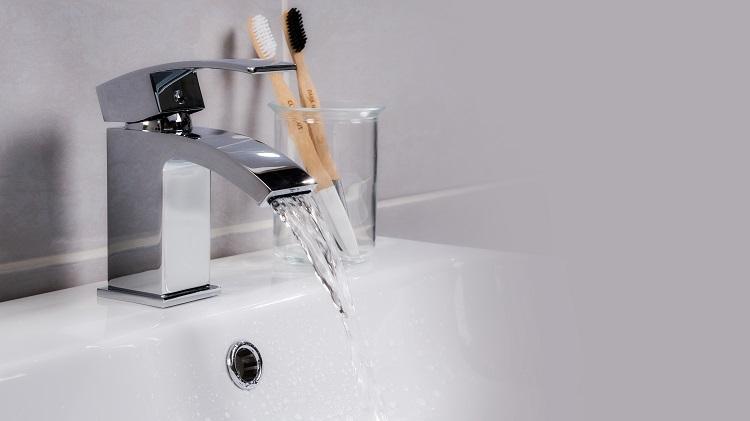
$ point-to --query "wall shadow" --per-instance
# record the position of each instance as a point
(228, 85)
(32, 191)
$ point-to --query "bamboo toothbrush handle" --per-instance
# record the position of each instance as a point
(317, 132)
(307, 92)
(309, 97)
(300, 135)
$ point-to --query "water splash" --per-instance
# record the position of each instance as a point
(302, 216)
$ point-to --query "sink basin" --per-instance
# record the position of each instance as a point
(451, 331)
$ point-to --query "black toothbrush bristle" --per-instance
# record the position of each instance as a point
(295, 30)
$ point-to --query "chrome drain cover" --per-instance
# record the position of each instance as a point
(244, 364)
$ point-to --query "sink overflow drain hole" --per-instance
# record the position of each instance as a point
(244, 364)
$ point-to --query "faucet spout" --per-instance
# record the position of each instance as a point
(254, 167)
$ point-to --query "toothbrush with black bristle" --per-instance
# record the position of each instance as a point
(330, 202)
(296, 40)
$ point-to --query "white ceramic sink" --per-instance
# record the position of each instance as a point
(448, 327)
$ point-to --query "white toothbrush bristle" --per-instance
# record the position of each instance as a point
(263, 37)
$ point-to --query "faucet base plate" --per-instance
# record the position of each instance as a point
(160, 301)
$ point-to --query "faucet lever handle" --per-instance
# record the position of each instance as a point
(157, 91)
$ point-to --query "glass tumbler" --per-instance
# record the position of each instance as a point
(351, 134)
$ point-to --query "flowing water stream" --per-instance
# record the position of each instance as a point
(301, 214)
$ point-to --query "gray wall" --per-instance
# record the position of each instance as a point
(539, 128)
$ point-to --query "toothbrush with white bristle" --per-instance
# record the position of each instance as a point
(331, 204)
